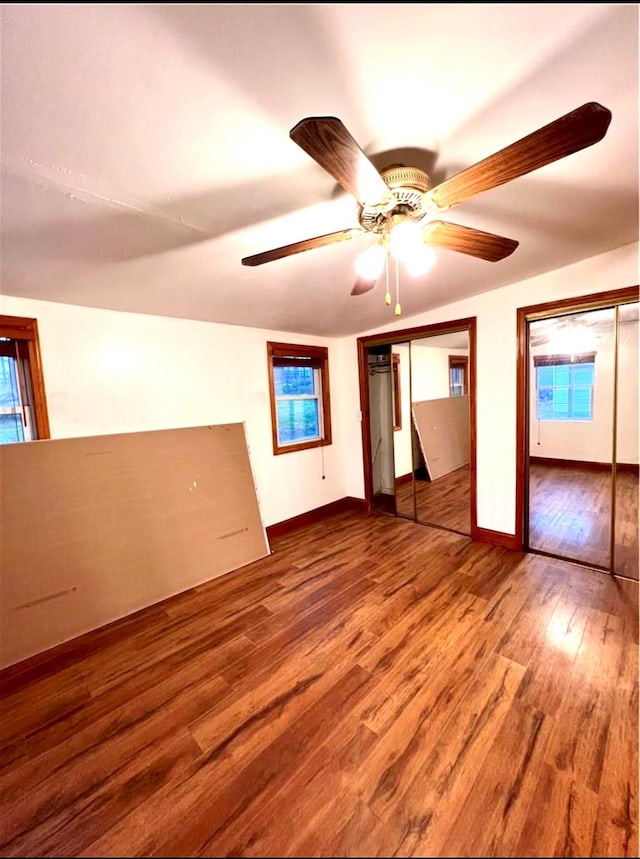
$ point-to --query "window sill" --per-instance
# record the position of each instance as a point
(303, 445)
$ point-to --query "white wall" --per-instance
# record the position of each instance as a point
(496, 370)
(112, 372)
(430, 371)
(402, 438)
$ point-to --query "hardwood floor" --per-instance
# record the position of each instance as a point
(570, 510)
(373, 688)
(627, 548)
(444, 502)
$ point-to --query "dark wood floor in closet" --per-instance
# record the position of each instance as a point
(374, 688)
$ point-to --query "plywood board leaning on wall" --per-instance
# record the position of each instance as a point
(95, 528)
(443, 429)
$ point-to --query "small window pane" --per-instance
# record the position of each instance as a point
(293, 381)
(11, 429)
(582, 374)
(545, 376)
(8, 383)
(11, 426)
(298, 420)
(582, 403)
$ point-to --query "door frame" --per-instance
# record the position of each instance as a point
(401, 336)
(557, 307)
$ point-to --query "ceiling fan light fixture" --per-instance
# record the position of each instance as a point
(393, 202)
(420, 260)
(405, 240)
(370, 263)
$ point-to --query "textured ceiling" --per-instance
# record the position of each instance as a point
(146, 149)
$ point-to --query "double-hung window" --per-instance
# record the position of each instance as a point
(564, 387)
(23, 407)
(299, 393)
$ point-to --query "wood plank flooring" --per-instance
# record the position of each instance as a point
(570, 510)
(444, 502)
(373, 688)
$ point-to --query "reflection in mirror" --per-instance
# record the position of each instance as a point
(440, 430)
(571, 379)
(381, 427)
(403, 457)
(626, 483)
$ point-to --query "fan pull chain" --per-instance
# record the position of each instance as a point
(387, 295)
(398, 309)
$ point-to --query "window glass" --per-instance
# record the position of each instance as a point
(23, 407)
(298, 420)
(294, 380)
(565, 392)
(11, 427)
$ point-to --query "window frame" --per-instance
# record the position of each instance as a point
(25, 330)
(564, 361)
(297, 355)
(459, 362)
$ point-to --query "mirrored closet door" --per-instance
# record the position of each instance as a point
(625, 531)
(582, 431)
(441, 425)
(417, 439)
(571, 372)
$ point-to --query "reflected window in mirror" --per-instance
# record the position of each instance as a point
(458, 375)
(564, 387)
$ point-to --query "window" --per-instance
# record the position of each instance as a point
(458, 375)
(397, 394)
(23, 408)
(299, 389)
(564, 387)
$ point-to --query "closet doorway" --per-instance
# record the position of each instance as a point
(578, 430)
(417, 395)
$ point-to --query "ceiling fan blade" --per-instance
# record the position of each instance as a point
(363, 285)
(468, 240)
(304, 245)
(328, 142)
(570, 133)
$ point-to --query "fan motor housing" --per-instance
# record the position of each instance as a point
(409, 186)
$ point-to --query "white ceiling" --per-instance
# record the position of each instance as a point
(454, 340)
(146, 149)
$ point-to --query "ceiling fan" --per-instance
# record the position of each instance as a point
(400, 208)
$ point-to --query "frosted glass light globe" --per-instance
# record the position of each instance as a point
(406, 237)
(420, 260)
(370, 264)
